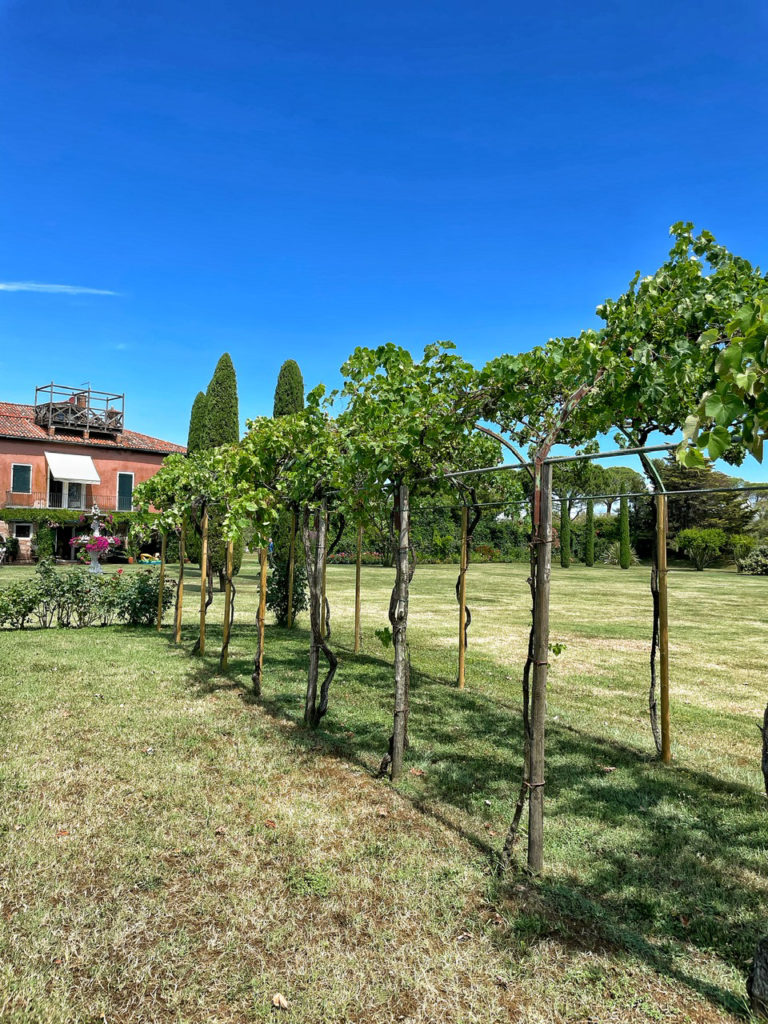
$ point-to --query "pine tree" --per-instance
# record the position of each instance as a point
(565, 536)
(289, 398)
(289, 391)
(589, 534)
(625, 551)
(196, 436)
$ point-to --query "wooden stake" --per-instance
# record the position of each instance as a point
(399, 623)
(161, 587)
(325, 566)
(542, 537)
(224, 660)
(291, 569)
(203, 580)
(661, 553)
(463, 594)
(262, 605)
(358, 569)
(180, 589)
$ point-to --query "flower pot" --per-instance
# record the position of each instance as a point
(130, 560)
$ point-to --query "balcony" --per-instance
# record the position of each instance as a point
(69, 500)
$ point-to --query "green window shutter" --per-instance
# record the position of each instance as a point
(124, 491)
(21, 482)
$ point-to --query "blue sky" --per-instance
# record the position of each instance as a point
(294, 179)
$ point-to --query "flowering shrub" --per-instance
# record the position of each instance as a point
(101, 545)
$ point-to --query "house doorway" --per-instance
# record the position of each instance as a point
(65, 550)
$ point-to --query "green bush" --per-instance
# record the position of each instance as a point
(755, 563)
(740, 545)
(45, 543)
(138, 595)
(701, 546)
(613, 555)
(277, 591)
(75, 598)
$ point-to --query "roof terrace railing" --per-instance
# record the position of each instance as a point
(59, 407)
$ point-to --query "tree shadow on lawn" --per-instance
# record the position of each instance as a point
(655, 861)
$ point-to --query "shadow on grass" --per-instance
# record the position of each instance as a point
(657, 862)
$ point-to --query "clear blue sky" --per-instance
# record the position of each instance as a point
(294, 179)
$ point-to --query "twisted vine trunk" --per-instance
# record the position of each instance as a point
(315, 706)
(653, 709)
(466, 618)
(398, 619)
(535, 670)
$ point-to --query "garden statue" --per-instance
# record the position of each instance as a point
(96, 543)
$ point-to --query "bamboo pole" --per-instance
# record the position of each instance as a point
(325, 566)
(543, 541)
(180, 589)
(161, 587)
(358, 570)
(661, 553)
(223, 661)
(262, 605)
(203, 579)
(291, 569)
(463, 594)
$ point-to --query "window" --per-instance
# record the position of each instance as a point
(124, 492)
(21, 478)
(74, 495)
(22, 531)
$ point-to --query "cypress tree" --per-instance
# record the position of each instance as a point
(221, 425)
(289, 391)
(222, 419)
(565, 535)
(625, 554)
(289, 398)
(196, 436)
(589, 534)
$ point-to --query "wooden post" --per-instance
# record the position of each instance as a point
(661, 555)
(542, 538)
(161, 587)
(291, 569)
(325, 566)
(358, 570)
(203, 579)
(262, 605)
(180, 589)
(463, 593)
(227, 607)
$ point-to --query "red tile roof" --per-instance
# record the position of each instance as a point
(18, 420)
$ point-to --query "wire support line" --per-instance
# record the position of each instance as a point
(554, 459)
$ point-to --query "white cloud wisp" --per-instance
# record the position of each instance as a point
(57, 289)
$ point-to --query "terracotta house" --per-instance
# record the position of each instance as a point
(69, 450)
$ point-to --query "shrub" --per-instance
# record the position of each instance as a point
(45, 543)
(75, 599)
(18, 603)
(740, 545)
(486, 553)
(277, 591)
(12, 549)
(613, 555)
(755, 563)
(701, 546)
(138, 594)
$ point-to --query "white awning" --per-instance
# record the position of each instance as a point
(77, 469)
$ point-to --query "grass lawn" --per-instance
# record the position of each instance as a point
(174, 851)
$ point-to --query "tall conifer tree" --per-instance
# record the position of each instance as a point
(625, 551)
(196, 436)
(289, 398)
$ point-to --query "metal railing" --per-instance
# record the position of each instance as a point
(39, 499)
